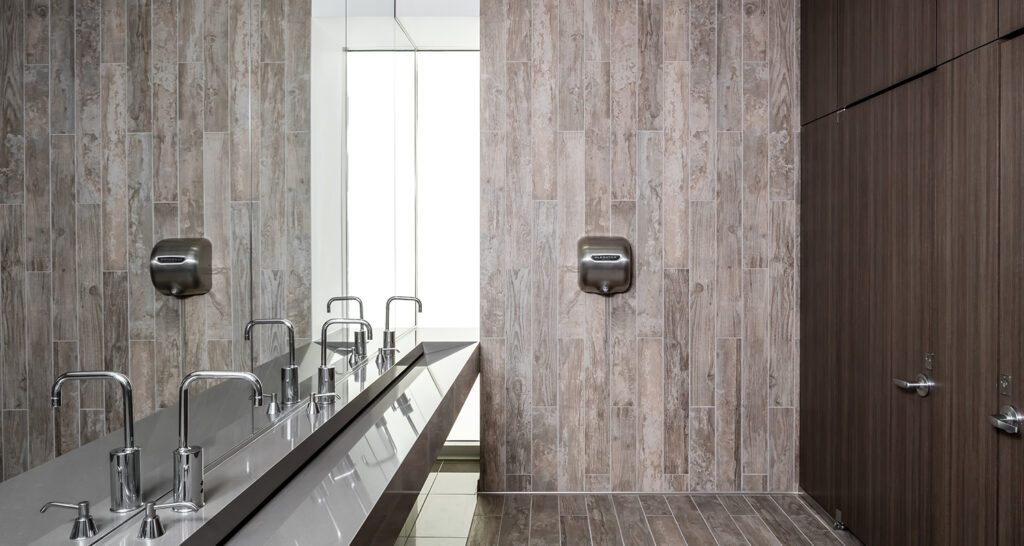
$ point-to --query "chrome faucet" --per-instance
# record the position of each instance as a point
(290, 373)
(188, 460)
(389, 334)
(359, 337)
(125, 462)
(325, 375)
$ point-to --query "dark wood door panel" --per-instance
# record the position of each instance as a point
(818, 50)
(1011, 285)
(966, 289)
(964, 25)
(864, 38)
(1011, 16)
(912, 34)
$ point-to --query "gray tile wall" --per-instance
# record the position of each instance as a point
(674, 123)
(123, 122)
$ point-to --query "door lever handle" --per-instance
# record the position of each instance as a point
(922, 384)
(1008, 420)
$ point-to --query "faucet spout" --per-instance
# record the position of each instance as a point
(333, 322)
(387, 308)
(346, 298)
(126, 396)
(257, 388)
(283, 322)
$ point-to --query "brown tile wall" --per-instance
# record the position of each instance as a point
(674, 123)
(123, 122)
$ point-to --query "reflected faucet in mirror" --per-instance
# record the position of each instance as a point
(188, 460)
(125, 462)
(388, 349)
(290, 373)
(359, 337)
(325, 375)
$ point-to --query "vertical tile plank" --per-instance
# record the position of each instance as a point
(702, 302)
(40, 374)
(782, 98)
(782, 378)
(13, 307)
(67, 418)
(65, 268)
(755, 30)
(241, 94)
(272, 27)
(676, 187)
(37, 169)
(493, 234)
(492, 66)
(218, 353)
(140, 66)
(754, 376)
(12, 128)
(781, 450)
(15, 442)
(515, 520)
(241, 277)
(165, 101)
(653, 381)
(272, 304)
(190, 149)
(598, 396)
(650, 236)
(544, 304)
(702, 449)
(37, 32)
(217, 228)
(632, 521)
(597, 143)
(756, 208)
(730, 63)
(142, 371)
(727, 414)
(517, 372)
(296, 56)
(115, 341)
(190, 30)
(570, 64)
(571, 314)
(140, 236)
(167, 356)
(622, 319)
(545, 97)
(624, 438)
(596, 29)
(62, 67)
(299, 234)
(115, 31)
(492, 414)
(518, 20)
(676, 29)
(623, 55)
(728, 285)
(703, 100)
(677, 370)
(115, 187)
(88, 111)
(544, 453)
(572, 201)
(93, 425)
(193, 336)
(518, 165)
(215, 62)
(571, 415)
(272, 193)
(650, 86)
(90, 301)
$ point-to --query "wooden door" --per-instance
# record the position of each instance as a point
(965, 300)
(864, 378)
(963, 25)
(912, 39)
(1011, 16)
(863, 48)
(907, 268)
(818, 387)
(1011, 287)
(818, 78)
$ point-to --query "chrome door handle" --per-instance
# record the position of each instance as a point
(923, 384)
(1008, 420)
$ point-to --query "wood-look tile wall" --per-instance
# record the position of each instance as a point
(125, 122)
(675, 124)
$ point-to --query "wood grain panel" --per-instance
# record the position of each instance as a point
(165, 101)
(548, 79)
(694, 529)
(492, 414)
(703, 106)
(598, 388)
(782, 80)
(13, 304)
(62, 66)
(572, 203)
(728, 439)
(650, 52)
(730, 65)
(67, 418)
(217, 228)
(651, 407)
(621, 327)
(39, 351)
(623, 57)
(167, 315)
(632, 522)
(12, 184)
(701, 461)
(650, 236)
(300, 268)
(272, 193)
(88, 110)
(597, 143)
(719, 521)
(702, 303)
(115, 340)
(729, 262)
(571, 415)
(753, 377)
(676, 185)
(493, 233)
(64, 233)
(818, 53)
(1011, 16)
(544, 448)
(518, 165)
(571, 42)
(37, 169)
(544, 305)
(37, 32)
(115, 30)
(216, 66)
(962, 25)
(677, 370)
(90, 303)
(518, 378)
(140, 65)
(115, 184)
(296, 68)
(140, 236)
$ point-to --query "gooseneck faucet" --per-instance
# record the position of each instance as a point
(188, 459)
(359, 337)
(325, 375)
(125, 462)
(290, 373)
(389, 334)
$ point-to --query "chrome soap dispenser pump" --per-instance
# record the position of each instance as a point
(125, 462)
(188, 459)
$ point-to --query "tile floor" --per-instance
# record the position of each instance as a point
(450, 512)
